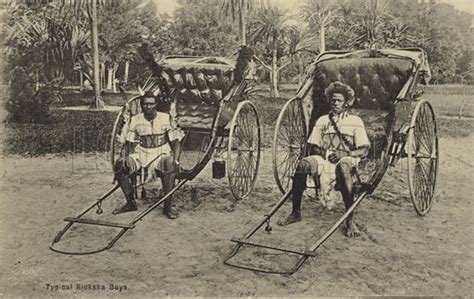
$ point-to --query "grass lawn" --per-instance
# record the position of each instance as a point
(89, 131)
(447, 100)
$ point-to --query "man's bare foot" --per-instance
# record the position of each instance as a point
(171, 213)
(351, 230)
(330, 204)
(128, 207)
(292, 218)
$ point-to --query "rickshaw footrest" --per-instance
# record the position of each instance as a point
(99, 222)
(245, 242)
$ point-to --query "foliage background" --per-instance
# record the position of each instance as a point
(48, 41)
(45, 46)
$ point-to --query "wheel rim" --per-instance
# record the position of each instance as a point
(372, 171)
(289, 143)
(423, 154)
(116, 143)
(243, 151)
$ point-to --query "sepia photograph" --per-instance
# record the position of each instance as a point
(236, 148)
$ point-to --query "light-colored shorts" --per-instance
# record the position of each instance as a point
(156, 163)
(319, 165)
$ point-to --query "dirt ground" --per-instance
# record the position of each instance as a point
(400, 253)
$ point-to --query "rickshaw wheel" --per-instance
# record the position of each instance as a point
(243, 150)
(289, 143)
(116, 140)
(423, 154)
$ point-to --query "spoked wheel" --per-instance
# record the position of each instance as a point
(423, 154)
(243, 150)
(117, 138)
(289, 143)
(116, 141)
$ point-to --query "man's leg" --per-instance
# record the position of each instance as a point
(298, 187)
(344, 177)
(124, 169)
(166, 170)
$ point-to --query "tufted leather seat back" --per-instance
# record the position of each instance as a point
(376, 83)
(197, 91)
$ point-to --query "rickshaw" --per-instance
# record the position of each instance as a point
(399, 125)
(210, 98)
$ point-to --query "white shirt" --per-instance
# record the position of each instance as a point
(140, 127)
(351, 126)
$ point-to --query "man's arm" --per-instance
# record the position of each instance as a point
(127, 148)
(174, 135)
(315, 149)
(362, 144)
(360, 152)
(130, 139)
(175, 148)
(362, 141)
(316, 138)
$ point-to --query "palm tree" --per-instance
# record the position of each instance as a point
(373, 21)
(300, 40)
(283, 41)
(269, 29)
(319, 14)
(88, 8)
(92, 12)
(241, 8)
(49, 39)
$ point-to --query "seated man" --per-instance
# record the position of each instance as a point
(336, 144)
(151, 142)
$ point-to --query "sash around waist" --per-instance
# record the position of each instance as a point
(153, 140)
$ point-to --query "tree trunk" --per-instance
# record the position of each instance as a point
(274, 76)
(300, 69)
(125, 75)
(114, 72)
(242, 22)
(81, 79)
(37, 80)
(322, 39)
(276, 93)
(98, 103)
(102, 75)
(110, 79)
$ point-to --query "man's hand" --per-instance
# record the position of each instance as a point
(176, 150)
(126, 150)
(316, 150)
(335, 157)
(360, 152)
(177, 166)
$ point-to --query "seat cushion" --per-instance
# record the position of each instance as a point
(377, 125)
(376, 83)
(197, 91)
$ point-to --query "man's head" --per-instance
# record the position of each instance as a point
(340, 96)
(148, 104)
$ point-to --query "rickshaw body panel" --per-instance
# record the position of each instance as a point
(199, 84)
(384, 82)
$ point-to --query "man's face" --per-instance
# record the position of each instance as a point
(337, 102)
(148, 106)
